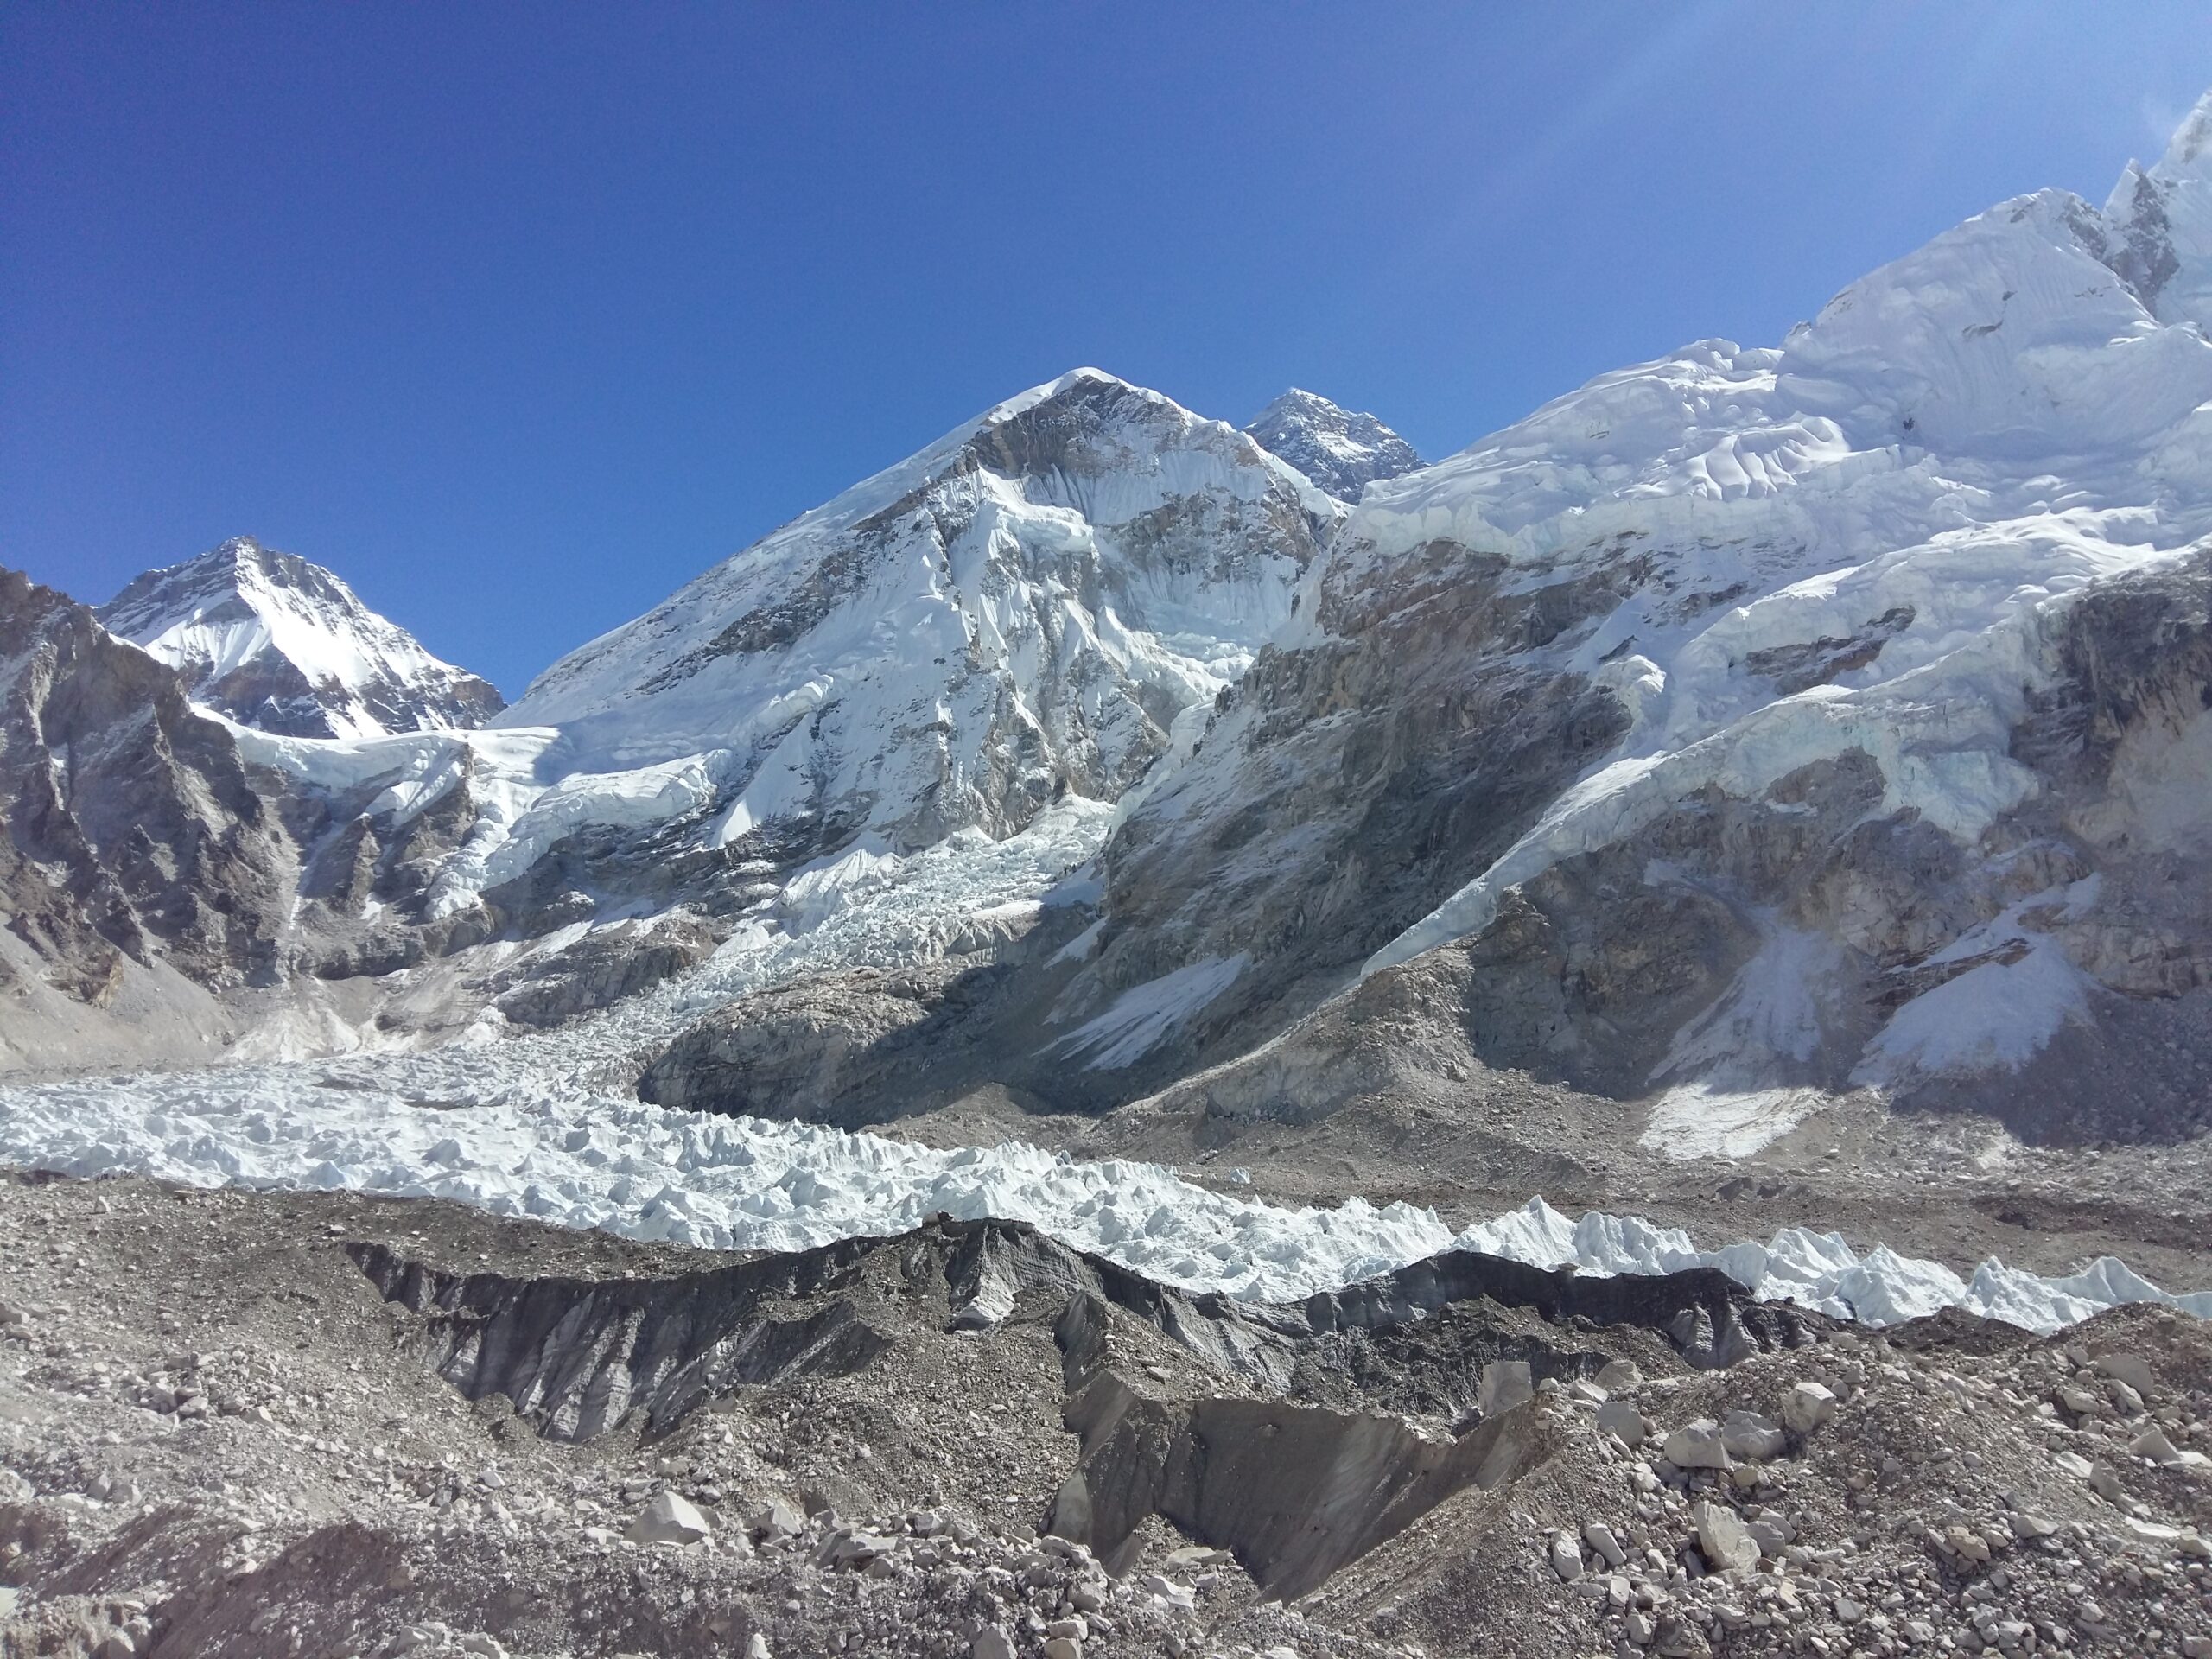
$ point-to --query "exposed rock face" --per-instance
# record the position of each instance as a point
(605, 967)
(849, 1049)
(577, 1358)
(2162, 223)
(1272, 1448)
(1692, 805)
(1341, 451)
(134, 830)
(277, 643)
(1346, 785)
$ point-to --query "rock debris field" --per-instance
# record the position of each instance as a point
(240, 1423)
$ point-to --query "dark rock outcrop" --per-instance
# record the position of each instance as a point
(134, 829)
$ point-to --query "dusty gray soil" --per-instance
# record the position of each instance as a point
(217, 1436)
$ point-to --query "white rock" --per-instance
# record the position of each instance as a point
(2152, 1443)
(1748, 1434)
(2130, 1368)
(778, 1518)
(1723, 1539)
(1566, 1556)
(992, 1642)
(1174, 1594)
(1600, 1536)
(1697, 1446)
(1808, 1407)
(1623, 1422)
(669, 1519)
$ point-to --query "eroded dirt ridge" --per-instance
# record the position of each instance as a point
(1295, 1491)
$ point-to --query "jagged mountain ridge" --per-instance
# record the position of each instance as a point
(274, 642)
(1341, 450)
(1742, 729)
(1018, 615)
(1754, 714)
(1023, 609)
(1737, 730)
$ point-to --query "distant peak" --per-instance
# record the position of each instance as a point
(1297, 398)
(269, 640)
(2191, 143)
(2158, 221)
(1341, 450)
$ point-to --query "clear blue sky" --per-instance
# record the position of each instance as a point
(520, 316)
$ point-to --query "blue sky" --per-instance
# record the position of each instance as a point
(518, 317)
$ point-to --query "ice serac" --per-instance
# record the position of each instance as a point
(274, 642)
(1023, 610)
(1341, 451)
(1750, 725)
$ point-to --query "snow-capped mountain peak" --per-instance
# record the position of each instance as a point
(1020, 610)
(1341, 450)
(2161, 222)
(274, 642)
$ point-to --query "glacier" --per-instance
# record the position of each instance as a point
(573, 1160)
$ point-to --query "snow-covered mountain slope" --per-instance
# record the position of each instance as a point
(274, 642)
(1024, 608)
(1024, 611)
(1340, 450)
(1754, 721)
(1744, 727)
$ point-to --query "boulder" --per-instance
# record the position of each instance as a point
(1808, 1407)
(778, 1518)
(1599, 1537)
(1725, 1542)
(669, 1519)
(1505, 1383)
(1624, 1422)
(1748, 1434)
(2130, 1368)
(1566, 1556)
(1697, 1446)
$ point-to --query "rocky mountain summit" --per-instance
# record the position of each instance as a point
(271, 641)
(1022, 611)
(1340, 450)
